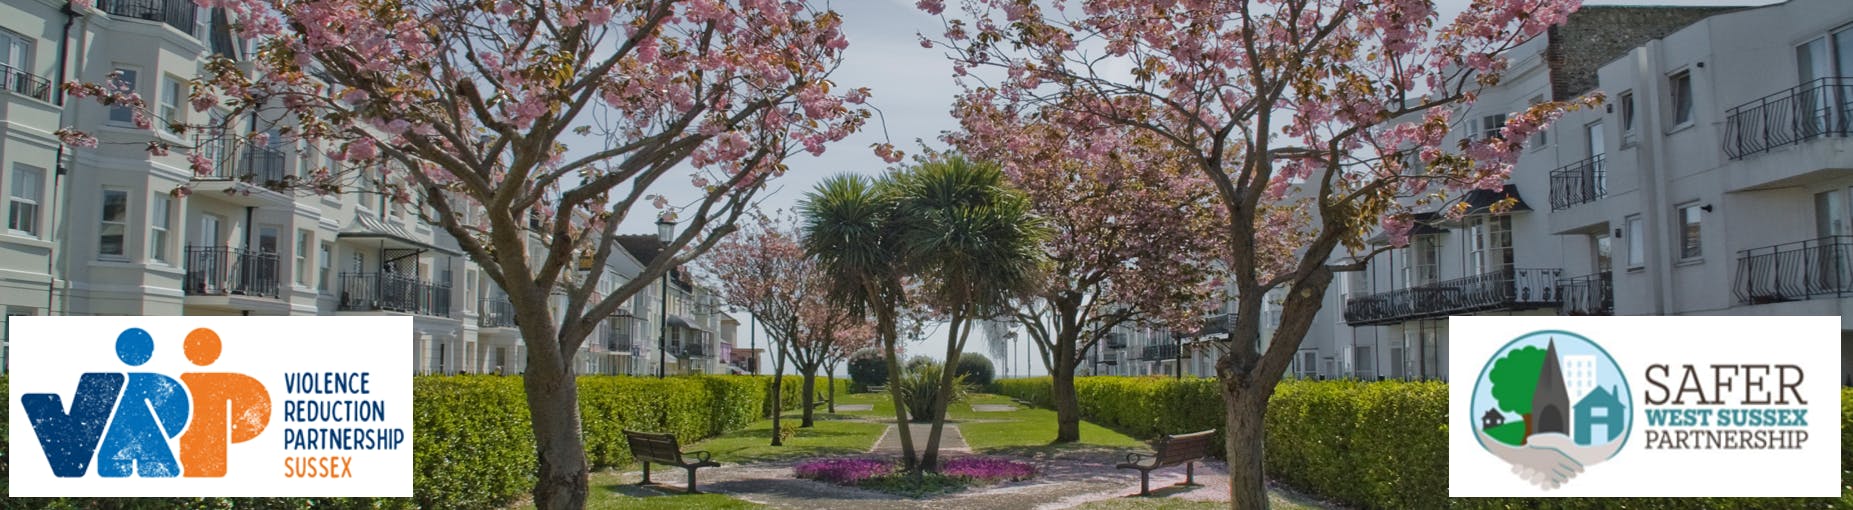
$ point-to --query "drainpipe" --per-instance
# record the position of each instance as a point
(59, 168)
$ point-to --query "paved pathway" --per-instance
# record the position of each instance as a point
(993, 408)
(845, 408)
(950, 438)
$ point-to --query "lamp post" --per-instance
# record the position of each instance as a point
(665, 230)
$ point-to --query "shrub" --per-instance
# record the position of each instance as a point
(867, 368)
(917, 362)
(921, 386)
(977, 369)
(1369, 445)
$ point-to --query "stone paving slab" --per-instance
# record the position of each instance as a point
(993, 408)
(950, 438)
(842, 408)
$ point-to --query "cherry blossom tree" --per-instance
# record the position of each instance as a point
(1134, 238)
(1303, 115)
(763, 269)
(528, 130)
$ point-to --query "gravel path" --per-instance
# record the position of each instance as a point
(1063, 480)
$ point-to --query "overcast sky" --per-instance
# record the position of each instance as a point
(913, 88)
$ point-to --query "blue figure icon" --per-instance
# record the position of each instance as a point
(70, 439)
(153, 408)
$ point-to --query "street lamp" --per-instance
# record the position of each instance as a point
(665, 230)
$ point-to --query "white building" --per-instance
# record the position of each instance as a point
(98, 231)
(1714, 182)
(1579, 375)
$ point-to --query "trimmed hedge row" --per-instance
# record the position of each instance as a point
(1364, 444)
(474, 445)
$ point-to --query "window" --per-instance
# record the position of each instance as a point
(1308, 365)
(1489, 244)
(1491, 125)
(322, 262)
(1680, 86)
(123, 114)
(15, 57)
(304, 239)
(1423, 255)
(357, 262)
(160, 218)
(1626, 107)
(112, 237)
(1365, 364)
(1637, 242)
(1689, 217)
(171, 98)
(1542, 137)
(23, 205)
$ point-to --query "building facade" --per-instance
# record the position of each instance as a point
(101, 231)
(1713, 182)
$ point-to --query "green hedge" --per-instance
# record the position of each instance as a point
(1369, 445)
(475, 446)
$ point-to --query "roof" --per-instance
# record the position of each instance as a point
(1599, 397)
(366, 226)
(645, 247)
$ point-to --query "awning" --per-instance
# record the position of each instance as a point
(1426, 223)
(684, 322)
(391, 236)
(1480, 201)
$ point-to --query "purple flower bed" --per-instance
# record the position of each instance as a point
(987, 469)
(846, 471)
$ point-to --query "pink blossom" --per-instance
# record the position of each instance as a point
(75, 138)
(201, 165)
(204, 100)
(931, 6)
(157, 149)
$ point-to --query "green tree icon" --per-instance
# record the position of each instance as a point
(1515, 379)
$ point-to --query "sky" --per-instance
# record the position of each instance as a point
(913, 89)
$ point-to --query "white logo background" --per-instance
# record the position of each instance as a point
(50, 354)
(1636, 342)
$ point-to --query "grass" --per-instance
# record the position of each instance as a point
(828, 437)
(1276, 501)
(1028, 429)
(631, 497)
(1512, 433)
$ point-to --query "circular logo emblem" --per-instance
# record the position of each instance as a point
(1551, 404)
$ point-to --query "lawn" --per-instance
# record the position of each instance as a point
(828, 437)
(1512, 433)
(1026, 429)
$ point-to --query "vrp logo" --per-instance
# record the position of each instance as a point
(125, 421)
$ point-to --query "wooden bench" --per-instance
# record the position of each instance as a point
(878, 389)
(1170, 451)
(650, 447)
(819, 401)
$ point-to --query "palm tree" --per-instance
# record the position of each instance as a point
(973, 243)
(847, 227)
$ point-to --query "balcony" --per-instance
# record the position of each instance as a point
(1116, 341)
(175, 13)
(1811, 269)
(618, 336)
(1159, 352)
(694, 350)
(1578, 183)
(393, 292)
(1592, 294)
(226, 271)
(23, 83)
(1507, 289)
(496, 313)
(1816, 109)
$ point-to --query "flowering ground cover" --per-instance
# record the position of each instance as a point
(884, 475)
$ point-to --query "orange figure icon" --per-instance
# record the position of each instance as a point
(225, 404)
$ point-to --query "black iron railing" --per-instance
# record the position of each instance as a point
(1800, 270)
(1116, 341)
(1811, 110)
(262, 166)
(694, 350)
(21, 82)
(1507, 289)
(1578, 183)
(496, 313)
(175, 13)
(1590, 294)
(1159, 352)
(393, 292)
(225, 271)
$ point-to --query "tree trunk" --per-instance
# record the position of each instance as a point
(778, 398)
(1244, 408)
(929, 461)
(831, 401)
(1067, 405)
(810, 392)
(553, 398)
(908, 458)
